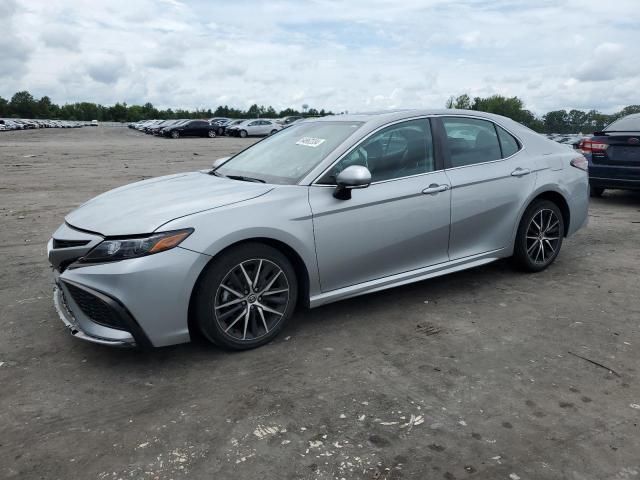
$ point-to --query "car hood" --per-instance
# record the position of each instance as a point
(143, 207)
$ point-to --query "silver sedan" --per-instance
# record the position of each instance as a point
(327, 209)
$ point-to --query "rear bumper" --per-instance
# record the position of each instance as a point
(620, 183)
(614, 176)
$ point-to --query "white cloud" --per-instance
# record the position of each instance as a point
(357, 55)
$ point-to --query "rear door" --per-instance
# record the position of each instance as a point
(491, 178)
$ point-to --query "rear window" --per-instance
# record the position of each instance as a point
(625, 124)
(509, 144)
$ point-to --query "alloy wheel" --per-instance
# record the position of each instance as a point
(251, 299)
(543, 236)
(211, 133)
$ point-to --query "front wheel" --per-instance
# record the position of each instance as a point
(273, 131)
(243, 133)
(211, 134)
(539, 236)
(246, 296)
(175, 134)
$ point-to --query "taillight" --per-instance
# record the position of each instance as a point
(588, 145)
(580, 162)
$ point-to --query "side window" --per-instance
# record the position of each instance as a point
(253, 124)
(471, 141)
(509, 144)
(397, 151)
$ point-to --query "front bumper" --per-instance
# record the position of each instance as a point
(87, 330)
(141, 301)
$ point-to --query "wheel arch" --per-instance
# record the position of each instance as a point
(560, 201)
(302, 274)
(544, 193)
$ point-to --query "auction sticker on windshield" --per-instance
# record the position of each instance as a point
(310, 141)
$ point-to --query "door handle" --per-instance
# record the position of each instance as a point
(520, 172)
(435, 188)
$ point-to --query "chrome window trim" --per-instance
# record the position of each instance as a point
(366, 137)
(384, 181)
(315, 183)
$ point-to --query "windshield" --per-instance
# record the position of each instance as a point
(625, 124)
(287, 156)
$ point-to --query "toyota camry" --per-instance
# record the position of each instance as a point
(324, 210)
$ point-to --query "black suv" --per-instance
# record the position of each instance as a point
(193, 128)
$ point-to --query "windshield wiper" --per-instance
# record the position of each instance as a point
(245, 179)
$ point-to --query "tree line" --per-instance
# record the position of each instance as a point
(24, 105)
(556, 121)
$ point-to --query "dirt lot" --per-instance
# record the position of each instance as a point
(465, 376)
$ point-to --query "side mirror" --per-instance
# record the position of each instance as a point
(219, 162)
(355, 176)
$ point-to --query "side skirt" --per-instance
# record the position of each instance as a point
(407, 277)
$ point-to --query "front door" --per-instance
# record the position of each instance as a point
(397, 224)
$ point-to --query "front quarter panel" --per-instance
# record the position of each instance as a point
(283, 215)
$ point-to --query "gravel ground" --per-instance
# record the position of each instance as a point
(464, 376)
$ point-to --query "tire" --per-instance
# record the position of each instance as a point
(175, 134)
(211, 134)
(273, 131)
(243, 133)
(233, 314)
(539, 236)
(220, 131)
(596, 191)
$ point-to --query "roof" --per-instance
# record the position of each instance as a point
(390, 115)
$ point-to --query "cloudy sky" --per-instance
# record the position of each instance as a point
(341, 55)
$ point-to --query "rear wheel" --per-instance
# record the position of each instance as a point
(596, 191)
(243, 133)
(539, 236)
(220, 131)
(273, 131)
(211, 134)
(246, 297)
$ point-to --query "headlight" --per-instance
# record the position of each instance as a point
(112, 250)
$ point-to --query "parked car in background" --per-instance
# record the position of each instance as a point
(190, 128)
(614, 156)
(254, 127)
(94, 123)
(289, 120)
(221, 125)
(11, 124)
(230, 125)
(327, 209)
(158, 128)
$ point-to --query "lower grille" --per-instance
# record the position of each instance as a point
(94, 308)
